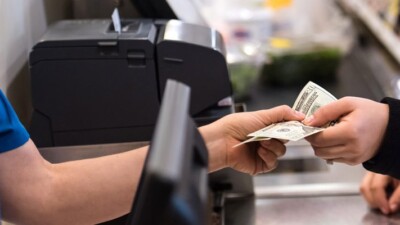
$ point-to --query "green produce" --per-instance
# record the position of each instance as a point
(242, 75)
(285, 69)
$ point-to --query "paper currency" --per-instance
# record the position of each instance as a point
(290, 131)
(311, 97)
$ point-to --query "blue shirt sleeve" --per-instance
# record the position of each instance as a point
(12, 133)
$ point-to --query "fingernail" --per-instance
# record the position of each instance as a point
(393, 207)
(308, 120)
(384, 211)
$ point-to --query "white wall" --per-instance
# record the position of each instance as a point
(22, 22)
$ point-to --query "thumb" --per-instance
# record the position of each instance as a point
(329, 112)
(279, 114)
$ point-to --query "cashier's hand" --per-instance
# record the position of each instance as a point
(381, 191)
(252, 158)
(358, 133)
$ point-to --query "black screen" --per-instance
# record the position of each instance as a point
(174, 184)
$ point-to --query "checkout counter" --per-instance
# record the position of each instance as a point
(303, 189)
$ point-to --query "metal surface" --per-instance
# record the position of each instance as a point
(321, 180)
(176, 30)
(304, 189)
(335, 210)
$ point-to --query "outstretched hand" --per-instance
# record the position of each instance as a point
(255, 157)
(358, 133)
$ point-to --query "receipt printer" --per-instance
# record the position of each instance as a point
(92, 85)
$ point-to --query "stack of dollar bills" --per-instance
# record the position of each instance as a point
(311, 97)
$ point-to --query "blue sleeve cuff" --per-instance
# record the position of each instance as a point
(12, 133)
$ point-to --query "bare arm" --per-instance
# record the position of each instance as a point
(34, 191)
(78, 192)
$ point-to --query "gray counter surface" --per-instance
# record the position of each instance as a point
(303, 189)
(327, 210)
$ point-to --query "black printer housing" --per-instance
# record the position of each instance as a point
(91, 85)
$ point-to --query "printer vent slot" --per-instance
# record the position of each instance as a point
(136, 59)
(173, 60)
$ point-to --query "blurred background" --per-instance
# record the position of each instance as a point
(269, 43)
(273, 48)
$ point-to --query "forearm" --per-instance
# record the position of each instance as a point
(215, 145)
(77, 192)
(101, 188)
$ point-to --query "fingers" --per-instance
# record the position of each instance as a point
(338, 153)
(373, 189)
(357, 136)
(275, 146)
(331, 136)
(334, 143)
(394, 200)
(330, 112)
(365, 189)
(378, 190)
(269, 152)
(335, 154)
(268, 162)
(279, 113)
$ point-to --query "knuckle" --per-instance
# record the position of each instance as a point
(286, 110)
(272, 166)
(363, 189)
(376, 187)
(356, 159)
(320, 112)
(282, 152)
(315, 142)
(317, 153)
(352, 162)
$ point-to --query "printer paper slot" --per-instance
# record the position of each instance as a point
(131, 26)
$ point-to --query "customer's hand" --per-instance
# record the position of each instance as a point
(258, 157)
(358, 133)
(381, 191)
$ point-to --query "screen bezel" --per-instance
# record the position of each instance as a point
(173, 188)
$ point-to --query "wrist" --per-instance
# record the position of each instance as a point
(215, 145)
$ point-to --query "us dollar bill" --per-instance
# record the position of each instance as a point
(311, 98)
(286, 131)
